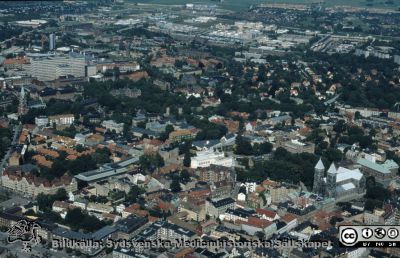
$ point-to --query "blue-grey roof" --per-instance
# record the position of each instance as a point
(98, 235)
(107, 170)
(230, 136)
(205, 143)
(129, 253)
(28, 167)
(153, 228)
(280, 118)
(222, 202)
(69, 234)
(103, 232)
(131, 223)
(240, 212)
(384, 168)
(144, 131)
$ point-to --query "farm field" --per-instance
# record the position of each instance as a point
(237, 5)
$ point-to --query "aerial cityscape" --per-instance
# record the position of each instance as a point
(193, 129)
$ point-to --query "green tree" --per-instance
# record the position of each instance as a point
(187, 159)
(127, 131)
(61, 195)
(101, 156)
(340, 127)
(332, 155)
(260, 235)
(263, 148)
(184, 176)
(165, 134)
(44, 202)
(150, 162)
(5, 136)
(243, 146)
(175, 185)
(78, 220)
(133, 194)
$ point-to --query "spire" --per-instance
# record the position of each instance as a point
(22, 93)
(320, 165)
(332, 169)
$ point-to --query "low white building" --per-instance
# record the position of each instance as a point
(137, 178)
(250, 186)
(207, 158)
(241, 197)
(99, 207)
(66, 119)
(120, 208)
(111, 125)
(80, 203)
(41, 120)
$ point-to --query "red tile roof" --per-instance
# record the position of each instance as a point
(267, 213)
(289, 217)
(257, 222)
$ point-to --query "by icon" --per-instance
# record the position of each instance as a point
(367, 233)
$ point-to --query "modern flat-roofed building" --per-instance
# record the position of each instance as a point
(382, 172)
(207, 158)
(165, 231)
(107, 171)
(53, 67)
(128, 227)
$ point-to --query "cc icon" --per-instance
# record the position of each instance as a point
(349, 236)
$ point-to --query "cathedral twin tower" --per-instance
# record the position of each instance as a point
(339, 183)
(324, 186)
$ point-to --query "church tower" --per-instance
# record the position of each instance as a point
(319, 186)
(331, 181)
(23, 106)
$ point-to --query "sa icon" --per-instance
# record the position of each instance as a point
(349, 236)
(392, 233)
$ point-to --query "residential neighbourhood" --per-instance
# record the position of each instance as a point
(205, 122)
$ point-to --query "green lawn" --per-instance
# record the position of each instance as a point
(238, 5)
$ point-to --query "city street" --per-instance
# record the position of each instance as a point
(16, 130)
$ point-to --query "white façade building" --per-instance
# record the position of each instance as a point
(65, 119)
(207, 158)
(47, 68)
(111, 125)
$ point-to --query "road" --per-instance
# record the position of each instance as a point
(17, 130)
(4, 163)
